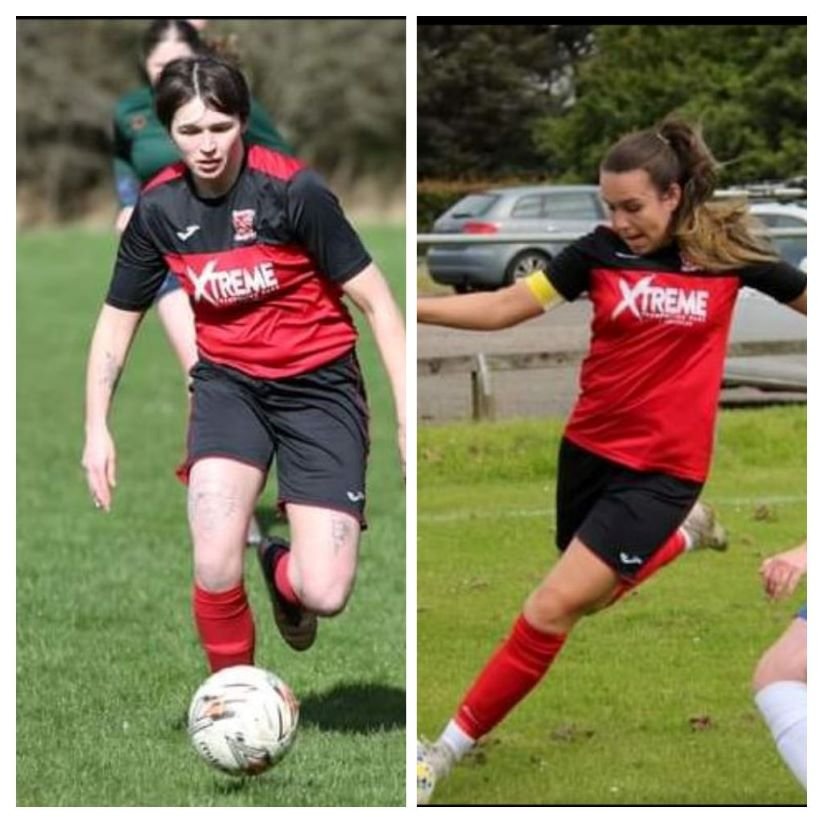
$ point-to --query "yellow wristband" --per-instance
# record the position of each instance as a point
(542, 290)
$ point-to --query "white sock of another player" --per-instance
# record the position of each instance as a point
(784, 707)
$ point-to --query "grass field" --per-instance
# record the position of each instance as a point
(107, 657)
(649, 702)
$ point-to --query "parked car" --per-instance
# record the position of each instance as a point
(759, 318)
(559, 209)
(785, 216)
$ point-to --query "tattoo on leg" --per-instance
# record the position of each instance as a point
(211, 504)
(341, 532)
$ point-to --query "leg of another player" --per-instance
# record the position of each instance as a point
(780, 689)
(222, 495)
(178, 321)
(323, 558)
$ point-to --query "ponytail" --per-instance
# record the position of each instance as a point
(715, 236)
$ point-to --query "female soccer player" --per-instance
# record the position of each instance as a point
(663, 280)
(266, 256)
(780, 679)
(142, 148)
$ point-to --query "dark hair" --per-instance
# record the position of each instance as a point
(169, 29)
(219, 84)
(717, 235)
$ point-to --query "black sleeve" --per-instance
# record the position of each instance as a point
(777, 279)
(319, 225)
(569, 270)
(139, 270)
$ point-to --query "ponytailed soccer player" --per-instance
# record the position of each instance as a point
(663, 280)
(266, 256)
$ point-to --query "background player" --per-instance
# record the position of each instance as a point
(265, 255)
(780, 678)
(663, 280)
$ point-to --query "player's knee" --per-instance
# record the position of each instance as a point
(326, 595)
(785, 660)
(217, 573)
(762, 674)
(779, 663)
(554, 609)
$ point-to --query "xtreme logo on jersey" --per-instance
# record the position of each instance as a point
(646, 300)
(223, 287)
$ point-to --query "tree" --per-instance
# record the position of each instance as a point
(336, 88)
(746, 85)
(480, 88)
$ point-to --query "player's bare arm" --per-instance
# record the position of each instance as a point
(371, 294)
(112, 338)
(489, 311)
(781, 573)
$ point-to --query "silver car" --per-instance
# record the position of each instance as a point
(512, 210)
(760, 319)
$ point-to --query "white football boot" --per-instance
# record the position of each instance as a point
(435, 761)
(704, 529)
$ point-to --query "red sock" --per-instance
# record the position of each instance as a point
(667, 552)
(507, 678)
(282, 583)
(224, 623)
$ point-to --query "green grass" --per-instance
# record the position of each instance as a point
(620, 719)
(107, 657)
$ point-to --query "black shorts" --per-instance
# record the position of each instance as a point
(621, 514)
(317, 424)
(169, 285)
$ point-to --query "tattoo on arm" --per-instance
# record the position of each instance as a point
(111, 372)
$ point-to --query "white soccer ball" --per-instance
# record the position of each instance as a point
(243, 720)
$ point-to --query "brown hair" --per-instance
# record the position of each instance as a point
(716, 235)
(220, 85)
(164, 29)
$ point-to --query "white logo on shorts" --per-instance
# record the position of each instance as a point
(630, 559)
(355, 496)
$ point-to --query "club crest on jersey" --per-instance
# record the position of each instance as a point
(243, 222)
(671, 304)
(224, 287)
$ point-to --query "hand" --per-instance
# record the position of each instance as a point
(402, 447)
(122, 219)
(781, 573)
(99, 461)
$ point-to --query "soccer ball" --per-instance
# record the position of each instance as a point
(243, 720)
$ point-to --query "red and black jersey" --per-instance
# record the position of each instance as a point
(262, 264)
(649, 386)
